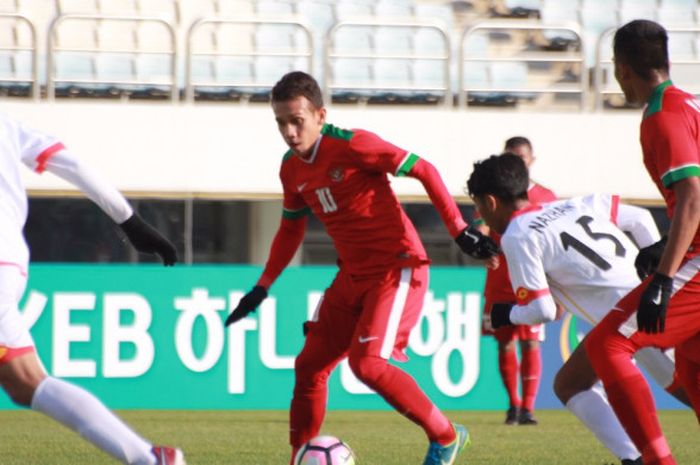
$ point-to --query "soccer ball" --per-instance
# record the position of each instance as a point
(325, 450)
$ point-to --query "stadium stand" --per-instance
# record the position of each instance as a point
(394, 51)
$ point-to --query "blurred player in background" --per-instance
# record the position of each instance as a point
(22, 375)
(663, 311)
(498, 289)
(375, 300)
(573, 253)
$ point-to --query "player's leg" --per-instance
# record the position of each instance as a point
(326, 343)
(613, 341)
(508, 368)
(576, 386)
(661, 366)
(391, 308)
(688, 367)
(530, 370)
(23, 377)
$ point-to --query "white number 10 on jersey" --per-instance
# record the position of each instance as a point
(326, 199)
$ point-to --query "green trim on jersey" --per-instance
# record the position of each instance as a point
(337, 133)
(656, 101)
(295, 214)
(674, 175)
(478, 222)
(287, 155)
(407, 165)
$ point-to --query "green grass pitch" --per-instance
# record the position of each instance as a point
(378, 438)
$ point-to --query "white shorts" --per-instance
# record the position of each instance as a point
(14, 333)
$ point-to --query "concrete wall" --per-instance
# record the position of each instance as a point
(231, 150)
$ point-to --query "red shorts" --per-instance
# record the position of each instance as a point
(682, 313)
(369, 316)
(510, 333)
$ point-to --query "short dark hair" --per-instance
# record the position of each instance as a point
(297, 84)
(504, 176)
(643, 45)
(517, 141)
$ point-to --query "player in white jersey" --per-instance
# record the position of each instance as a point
(22, 375)
(573, 253)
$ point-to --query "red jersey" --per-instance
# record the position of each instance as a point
(497, 287)
(345, 184)
(670, 138)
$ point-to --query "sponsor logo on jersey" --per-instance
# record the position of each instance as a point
(336, 174)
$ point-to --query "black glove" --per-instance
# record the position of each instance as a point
(146, 239)
(500, 315)
(248, 304)
(648, 258)
(651, 313)
(476, 245)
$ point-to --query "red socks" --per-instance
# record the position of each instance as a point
(508, 366)
(530, 374)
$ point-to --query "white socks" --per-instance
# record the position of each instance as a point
(593, 409)
(85, 414)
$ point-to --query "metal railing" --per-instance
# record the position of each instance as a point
(32, 50)
(190, 54)
(605, 38)
(94, 50)
(442, 59)
(565, 57)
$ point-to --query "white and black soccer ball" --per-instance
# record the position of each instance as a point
(325, 450)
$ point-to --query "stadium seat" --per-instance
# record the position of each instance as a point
(116, 35)
(346, 10)
(529, 4)
(393, 40)
(509, 75)
(393, 9)
(77, 6)
(681, 46)
(429, 41)
(556, 11)
(348, 76)
(352, 39)
(233, 8)
(637, 9)
(670, 16)
(429, 74)
(435, 11)
(274, 8)
(319, 14)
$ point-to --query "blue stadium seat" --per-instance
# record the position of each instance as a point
(393, 40)
(393, 9)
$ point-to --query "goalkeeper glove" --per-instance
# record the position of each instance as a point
(247, 305)
(500, 315)
(475, 244)
(146, 239)
(648, 258)
(651, 313)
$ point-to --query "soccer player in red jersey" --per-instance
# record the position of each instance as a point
(375, 300)
(498, 289)
(665, 305)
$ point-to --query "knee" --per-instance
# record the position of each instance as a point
(565, 388)
(529, 345)
(367, 369)
(21, 387)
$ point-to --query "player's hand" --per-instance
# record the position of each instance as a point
(500, 315)
(147, 239)
(651, 313)
(247, 305)
(476, 244)
(648, 258)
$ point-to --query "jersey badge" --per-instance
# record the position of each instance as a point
(524, 296)
(336, 174)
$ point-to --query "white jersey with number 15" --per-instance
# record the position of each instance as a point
(574, 252)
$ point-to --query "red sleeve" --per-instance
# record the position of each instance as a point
(376, 154)
(426, 173)
(675, 148)
(284, 246)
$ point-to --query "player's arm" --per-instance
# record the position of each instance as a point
(534, 302)
(684, 224)
(471, 240)
(284, 245)
(375, 154)
(142, 236)
(678, 161)
(639, 223)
